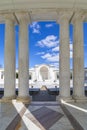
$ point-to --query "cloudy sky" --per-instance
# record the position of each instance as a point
(43, 43)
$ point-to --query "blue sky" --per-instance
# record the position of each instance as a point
(43, 43)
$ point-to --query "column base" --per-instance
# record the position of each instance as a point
(65, 99)
(7, 99)
(80, 99)
(24, 99)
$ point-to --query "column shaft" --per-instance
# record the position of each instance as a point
(9, 67)
(64, 65)
(23, 61)
(78, 60)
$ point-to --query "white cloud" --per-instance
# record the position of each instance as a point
(35, 27)
(52, 54)
(51, 57)
(35, 30)
(71, 51)
(40, 53)
(48, 25)
(49, 41)
(71, 47)
(71, 54)
(70, 41)
(55, 64)
(46, 56)
(55, 49)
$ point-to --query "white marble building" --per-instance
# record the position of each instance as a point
(39, 75)
(42, 75)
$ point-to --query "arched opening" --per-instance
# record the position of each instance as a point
(16, 75)
(57, 76)
(30, 76)
(44, 73)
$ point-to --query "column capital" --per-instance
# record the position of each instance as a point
(23, 17)
(9, 16)
(64, 15)
(78, 16)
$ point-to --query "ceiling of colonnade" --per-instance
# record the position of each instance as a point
(31, 4)
(40, 10)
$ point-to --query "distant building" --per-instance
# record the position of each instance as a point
(43, 75)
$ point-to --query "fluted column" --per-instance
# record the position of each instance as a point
(9, 61)
(64, 57)
(78, 58)
(23, 58)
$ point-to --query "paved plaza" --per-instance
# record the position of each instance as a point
(43, 116)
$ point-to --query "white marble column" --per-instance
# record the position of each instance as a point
(23, 59)
(9, 61)
(78, 58)
(64, 57)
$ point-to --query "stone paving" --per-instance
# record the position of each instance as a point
(43, 116)
(79, 112)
